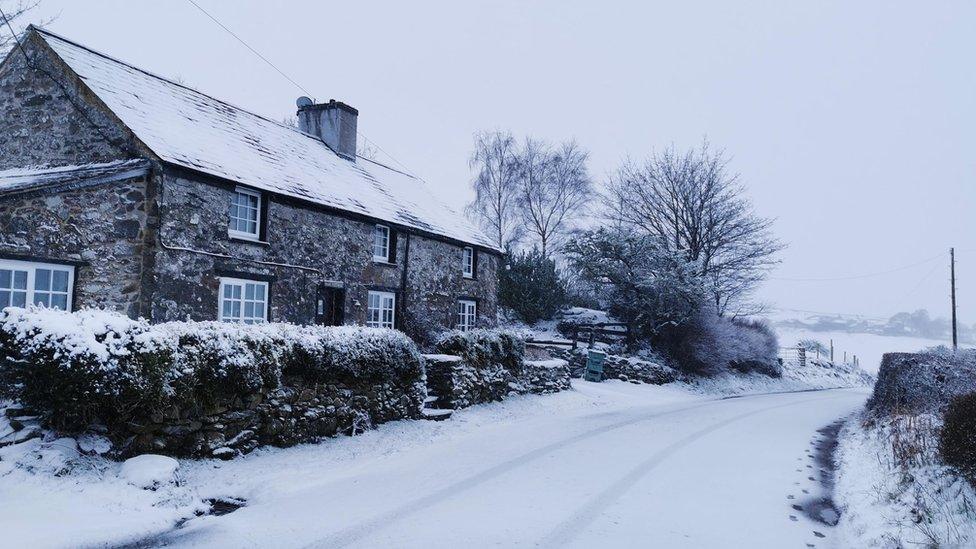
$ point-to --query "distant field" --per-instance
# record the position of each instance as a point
(867, 347)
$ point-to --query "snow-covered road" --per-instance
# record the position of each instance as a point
(613, 465)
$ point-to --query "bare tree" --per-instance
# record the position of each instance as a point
(693, 204)
(554, 187)
(15, 10)
(496, 160)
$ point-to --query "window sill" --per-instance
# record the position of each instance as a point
(245, 240)
(384, 263)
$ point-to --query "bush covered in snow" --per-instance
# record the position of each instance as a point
(352, 354)
(484, 348)
(78, 367)
(710, 345)
(922, 382)
(97, 366)
(957, 442)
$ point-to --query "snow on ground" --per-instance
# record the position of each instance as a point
(867, 347)
(566, 469)
(885, 506)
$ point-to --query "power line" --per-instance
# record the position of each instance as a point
(860, 276)
(290, 79)
(248, 46)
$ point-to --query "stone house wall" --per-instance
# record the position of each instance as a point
(101, 230)
(40, 122)
(318, 247)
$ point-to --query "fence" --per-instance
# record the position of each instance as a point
(605, 332)
(793, 355)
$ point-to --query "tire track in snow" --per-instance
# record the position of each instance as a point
(366, 528)
(570, 528)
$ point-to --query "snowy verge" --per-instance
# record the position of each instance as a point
(893, 492)
(813, 376)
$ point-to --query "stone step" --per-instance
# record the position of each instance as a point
(436, 415)
(431, 398)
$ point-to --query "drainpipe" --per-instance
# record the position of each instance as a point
(403, 278)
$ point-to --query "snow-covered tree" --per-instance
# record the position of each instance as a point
(691, 204)
(554, 188)
(640, 281)
(495, 206)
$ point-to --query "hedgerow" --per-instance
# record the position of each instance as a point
(97, 366)
(483, 348)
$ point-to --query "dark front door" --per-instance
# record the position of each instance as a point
(329, 305)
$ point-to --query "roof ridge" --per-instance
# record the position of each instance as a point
(171, 82)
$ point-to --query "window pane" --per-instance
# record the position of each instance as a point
(249, 291)
(259, 291)
(227, 309)
(249, 309)
(42, 280)
(19, 299)
(6, 277)
(59, 301)
(60, 283)
(235, 309)
(42, 299)
(236, 291)
(5, 300)
(20, 280)
(259, 310)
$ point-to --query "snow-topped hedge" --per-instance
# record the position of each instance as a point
(91, 365)
(483, 348)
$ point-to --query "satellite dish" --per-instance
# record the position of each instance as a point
(304, 102)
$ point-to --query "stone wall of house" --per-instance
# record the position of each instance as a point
(436, 282)
(319, 248)
(299, 411)
(101, 229)
(40, 120)
(458, 384)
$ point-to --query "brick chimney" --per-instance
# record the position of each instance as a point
(333, 122)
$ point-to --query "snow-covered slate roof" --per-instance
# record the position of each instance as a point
(19, 179)
(193, 130)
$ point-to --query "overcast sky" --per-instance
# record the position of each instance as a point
(852, 123)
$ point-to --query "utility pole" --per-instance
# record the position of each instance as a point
(831, 349)
(952, 278)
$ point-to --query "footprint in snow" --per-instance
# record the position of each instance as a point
(818, 534)
(793, 518)
(797, 507)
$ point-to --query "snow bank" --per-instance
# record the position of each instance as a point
(149, 471)
(886, 502)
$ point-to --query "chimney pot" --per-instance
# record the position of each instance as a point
(333, 122)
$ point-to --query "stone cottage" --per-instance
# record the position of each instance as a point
(122, 189)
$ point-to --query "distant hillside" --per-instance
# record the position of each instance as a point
(918, 324)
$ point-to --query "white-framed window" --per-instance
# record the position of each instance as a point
(245, 214)
(243, 301)
(381, 243)
(43, 284)
(380, 309)
(467, 262)
(467, 314)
